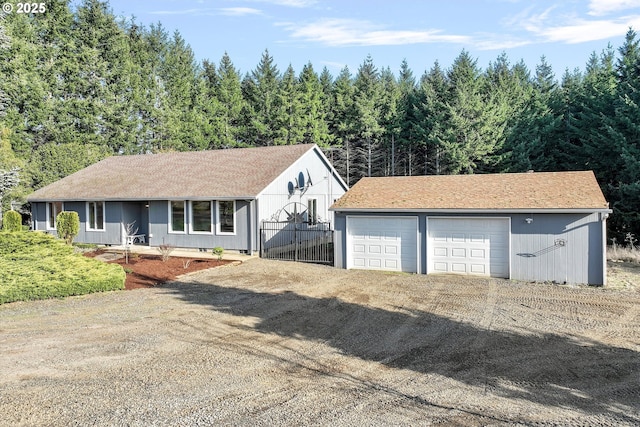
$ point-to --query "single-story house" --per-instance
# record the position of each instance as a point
(543, 226)
(200, 199)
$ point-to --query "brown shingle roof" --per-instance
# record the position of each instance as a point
(539, 190)
(232, 173)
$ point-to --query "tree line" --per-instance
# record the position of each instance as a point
(78, 84)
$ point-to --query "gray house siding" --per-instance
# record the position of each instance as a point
(159, 229)
(38, 216)
(136, 214)
(151, 219)
(565, 248)
(326, 188)
(111, 235)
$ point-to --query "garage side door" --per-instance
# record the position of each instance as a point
(474, 246)
(383, 243)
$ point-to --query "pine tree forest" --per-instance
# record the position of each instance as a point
(78, 84)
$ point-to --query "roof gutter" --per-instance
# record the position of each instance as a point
(140, 199)
(483, 211)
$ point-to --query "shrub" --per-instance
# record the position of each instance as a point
(67, 225)
(165, 251)
(12, 221)
(38, 266)
(218, 251)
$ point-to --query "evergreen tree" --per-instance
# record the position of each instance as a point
(228, 92)
(98, 109)
(404, 140)
(289, 127)
(51, 162)
(313, 107)
(624, 191)
(5, 43)
(473, 133)
(11, 173)
(21, 83)
(342, 122)
(58, 68)
(601, 146)
(9, 179)
(529, 138)
(431, 119)
(150, 51)
(179, 78)
(390, 123)
(564, 146)
(326, 88)
(509, 93)
(368, 118)
(205, 110)
(261, 89)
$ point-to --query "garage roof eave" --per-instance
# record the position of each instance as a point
(471, 210)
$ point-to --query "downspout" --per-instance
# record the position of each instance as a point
(603, 217)
(254, 228)
(123, 239)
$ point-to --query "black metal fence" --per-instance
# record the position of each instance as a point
(292, 241)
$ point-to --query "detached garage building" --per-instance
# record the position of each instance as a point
(544, 226)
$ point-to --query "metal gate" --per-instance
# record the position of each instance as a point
(291, 241)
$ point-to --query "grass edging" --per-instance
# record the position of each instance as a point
(36, 265)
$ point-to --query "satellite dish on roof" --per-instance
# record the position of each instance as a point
(291, 188)
(301, 180)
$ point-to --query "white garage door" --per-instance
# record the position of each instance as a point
(475, 246)
(383, 243)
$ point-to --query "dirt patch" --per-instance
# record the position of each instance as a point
(268, 342)
(145, 271)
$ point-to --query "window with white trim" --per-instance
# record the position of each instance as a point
(177, 216)
(312, 211)
(53, 209)
(201, 217)
(95, 216)
(226, 217)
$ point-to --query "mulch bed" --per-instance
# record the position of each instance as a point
(147, 271)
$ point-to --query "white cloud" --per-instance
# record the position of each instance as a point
(239, 11)
(553, 25)
(605, 7)
(351, 32)
(498, 42)
(180, 12)
(333, 64)
(289, 3)
(580, 31)
(228, 11)
(294, 3)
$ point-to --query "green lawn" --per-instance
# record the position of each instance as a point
(35, 265)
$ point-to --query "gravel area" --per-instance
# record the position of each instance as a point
(275, 343)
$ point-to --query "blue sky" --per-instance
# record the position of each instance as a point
(344, 32)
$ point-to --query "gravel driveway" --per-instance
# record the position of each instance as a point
(274, 343)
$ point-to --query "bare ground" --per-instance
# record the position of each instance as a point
(273, 343)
